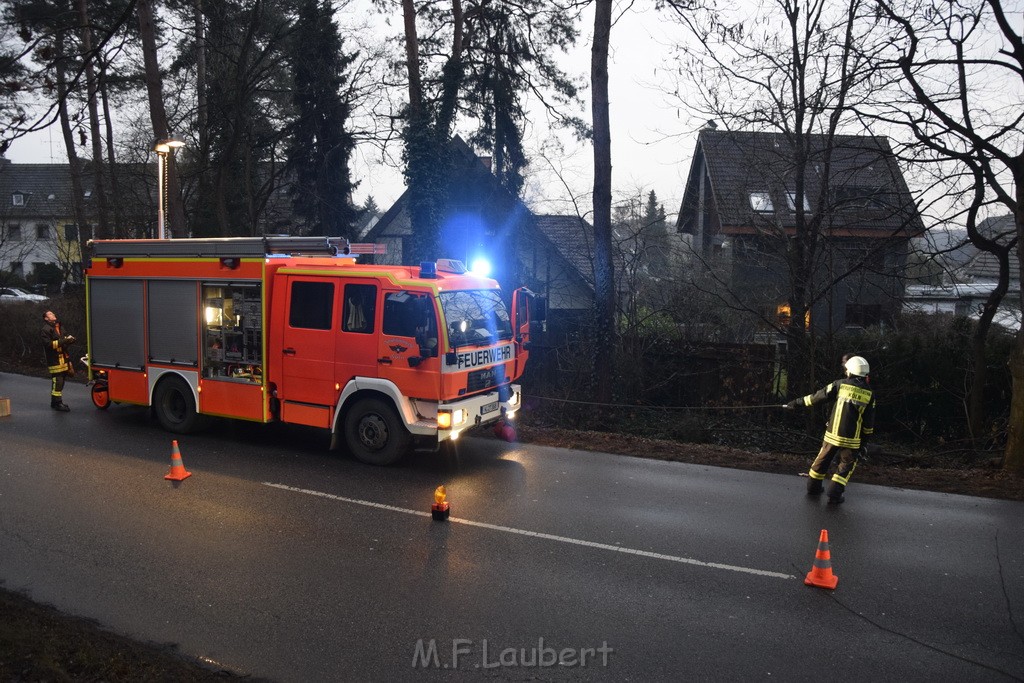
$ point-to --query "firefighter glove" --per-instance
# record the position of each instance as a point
(68, 339)
(862, 454)
(795, 403)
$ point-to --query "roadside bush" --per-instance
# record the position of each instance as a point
(922, 372)
(20, 324)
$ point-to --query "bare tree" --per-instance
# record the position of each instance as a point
(795, 69)
(92, 105)
(962, 70)
(158, 114)
(604, 271)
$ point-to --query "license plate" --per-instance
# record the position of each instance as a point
(488, 408)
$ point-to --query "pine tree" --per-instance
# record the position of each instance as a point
(655, 237)
(320, 147)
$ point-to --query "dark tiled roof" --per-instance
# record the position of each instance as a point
(983, 265)
(46, 189)
(741, 162)
(395, 220)
(573, 239)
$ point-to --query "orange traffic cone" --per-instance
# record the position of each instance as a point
(821, 573)
(177, 472)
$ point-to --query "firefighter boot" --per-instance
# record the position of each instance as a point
(815, 484)
(57, 404)
(835, 493)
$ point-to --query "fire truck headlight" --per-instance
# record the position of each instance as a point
(513, 400)
(459, 417)
(444, 419)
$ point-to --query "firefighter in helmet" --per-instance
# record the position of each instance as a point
(850, 425)
(55, 344)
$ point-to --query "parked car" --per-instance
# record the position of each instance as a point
(9, 294)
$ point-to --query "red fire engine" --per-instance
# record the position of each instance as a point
(292, 329)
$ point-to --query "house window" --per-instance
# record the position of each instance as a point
(18, 199)
(42, 231)
(761, 202)
(863, 315)
(71, 232)
(791, 202)
(18, 268)
(14, 232)
(783, 314)
(861, 197)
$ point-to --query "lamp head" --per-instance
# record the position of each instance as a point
(165, 145)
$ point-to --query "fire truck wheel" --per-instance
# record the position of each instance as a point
(175, 407)
(100, 395)
(374, 433)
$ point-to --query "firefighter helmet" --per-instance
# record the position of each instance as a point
(858, 366)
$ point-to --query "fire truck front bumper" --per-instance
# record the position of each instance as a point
(449, 419)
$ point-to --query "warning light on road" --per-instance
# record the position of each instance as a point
(440, 508)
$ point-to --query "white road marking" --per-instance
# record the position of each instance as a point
(537, 534)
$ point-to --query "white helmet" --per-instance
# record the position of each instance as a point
(858, 366)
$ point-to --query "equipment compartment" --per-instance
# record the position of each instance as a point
(233, 332)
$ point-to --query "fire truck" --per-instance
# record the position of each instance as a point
(294, 330)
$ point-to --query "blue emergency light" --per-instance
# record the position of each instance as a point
(481, 267)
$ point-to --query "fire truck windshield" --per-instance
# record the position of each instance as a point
(475, 317)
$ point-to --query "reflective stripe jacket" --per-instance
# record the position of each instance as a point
(56, 356)
(853, 415)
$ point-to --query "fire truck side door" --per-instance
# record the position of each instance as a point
(358, 342)
(307, 353)
(521, 327)
(410, 319)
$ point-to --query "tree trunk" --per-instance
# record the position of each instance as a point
(158, 115)
(69, 143)
(412, 58)
(604, 274)
(979, 342)
(103, 229)
(201, 102)
(425, 152)
(452, 75)
(1014, 460)
(115, 189)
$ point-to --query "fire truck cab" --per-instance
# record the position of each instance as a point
(292, 329)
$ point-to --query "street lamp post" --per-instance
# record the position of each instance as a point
(163, 148)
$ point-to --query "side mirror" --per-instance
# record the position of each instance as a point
(539, 309)
(428, 346)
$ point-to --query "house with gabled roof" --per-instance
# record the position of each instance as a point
(552, 255)
(37, 225)
(739, 215)
(969, 275)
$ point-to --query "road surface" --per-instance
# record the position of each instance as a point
(280, 559)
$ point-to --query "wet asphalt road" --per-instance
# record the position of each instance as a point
(280, 559)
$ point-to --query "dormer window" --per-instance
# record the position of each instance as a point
(791, 202)
(17, 199)
(761, 202)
